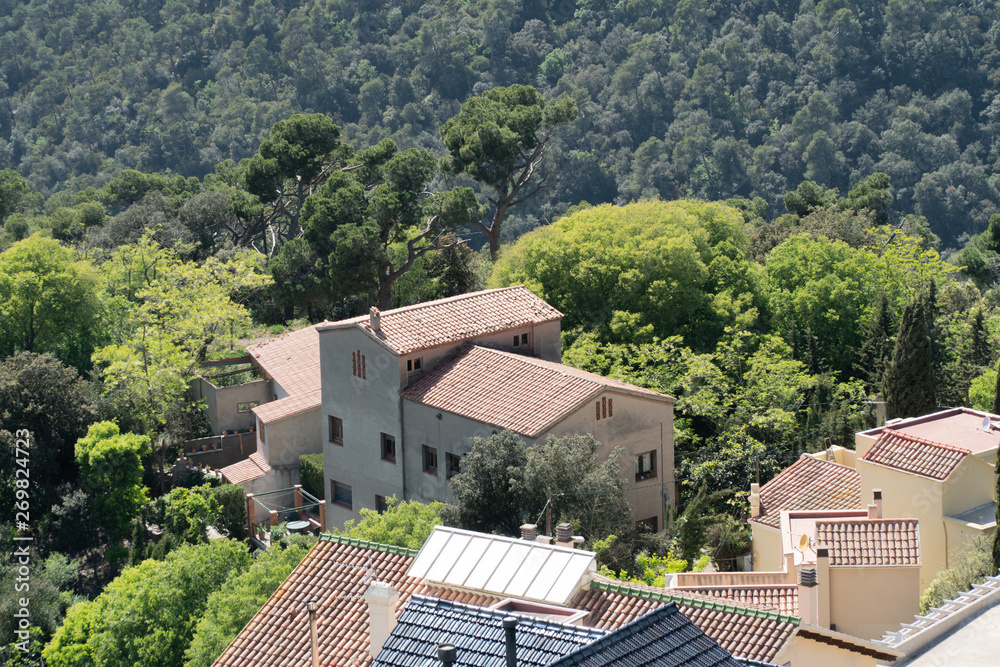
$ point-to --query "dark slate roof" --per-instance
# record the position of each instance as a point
(664, 637)
(478, 635)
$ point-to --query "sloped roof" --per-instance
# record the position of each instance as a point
(915, 455)
(664, 637)
(246, 470)
(871, 542)
(501, 565)
(745, 633)
(477, 634)
(782, 598)
(956, 427)
(292, 361)
(273, 411)
(512, 391)
(458, 318)
(809, 484)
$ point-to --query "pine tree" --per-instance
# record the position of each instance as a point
(909, 381)
(876, 351)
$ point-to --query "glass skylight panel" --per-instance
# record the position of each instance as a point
(551, 573)
(469, 562)
(429, 553)
(527, 571)
(507, 568)
(495, 553)
(449, 554)
(566, 584)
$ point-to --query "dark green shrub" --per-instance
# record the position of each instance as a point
(231, 519)
(311, 474)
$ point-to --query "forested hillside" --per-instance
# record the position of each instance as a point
(678, 98)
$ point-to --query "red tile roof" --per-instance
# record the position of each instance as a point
(956, 427)
(782, 598)
(247, 469)
(426, 325)
(918, 456)
(744, 632)
(512, 391)
(809, 484)
(334, 573)
(292, 361)
(871, 542)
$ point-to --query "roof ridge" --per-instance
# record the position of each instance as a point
(450, 299)
(915, 438)
(693, 602)
(366, 544)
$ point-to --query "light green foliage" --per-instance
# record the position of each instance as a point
(649, 268)
(189, 512)
(111, 469)
(49, 301)
(652, 569)
(982, 391)
(147, 615)
(405, 523)
(972, 566)
(231, 607)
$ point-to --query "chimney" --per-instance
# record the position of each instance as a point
(877, 494)
(822, 586)
(381, 599)
(375, 319)
(754, 500)
(808, 593)
(564, 535)
(313, 640)
(872, 511)
(510, 635)
(447, 654)
(529, 531)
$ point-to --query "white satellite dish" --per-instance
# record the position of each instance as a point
(986, 424)
(803, 542)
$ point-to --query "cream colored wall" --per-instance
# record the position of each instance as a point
(290, 438)
(862, 443)
(767, 551)
(801, 652)
(866, 601)
(958, 534)
(972, 484)
(638, 425)
(906, 496)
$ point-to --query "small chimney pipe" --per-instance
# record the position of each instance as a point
(529, 531)
(447, 654)
(877, 497)
(311, 606)
(375, 319)
(510, 634)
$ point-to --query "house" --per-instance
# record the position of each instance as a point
(403, 391)
(489, 571)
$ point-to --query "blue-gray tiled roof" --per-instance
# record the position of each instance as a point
(477, 634)
(663, 637)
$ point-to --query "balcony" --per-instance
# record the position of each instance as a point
(295, 509)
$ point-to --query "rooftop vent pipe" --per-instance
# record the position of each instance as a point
(447, 654)
(510, 633)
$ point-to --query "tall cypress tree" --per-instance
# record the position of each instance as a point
(909, 381)
(876, 351)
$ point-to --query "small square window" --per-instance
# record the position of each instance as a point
(454, 463)
(524, 339)
(415, 365)
(380, 504)
(336, 430)
(645, 465)
(430, 459)
(388, 448)
(341, 494)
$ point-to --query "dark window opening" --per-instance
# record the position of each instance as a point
(388, 448)
(430, 459)
(454, 463)
(336, 430)
(342, 494)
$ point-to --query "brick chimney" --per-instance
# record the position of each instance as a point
(754, 500)
(381, 599)
(564, 535)
(375, 319)
(529, 531)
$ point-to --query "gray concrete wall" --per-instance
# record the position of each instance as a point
(368, 408)
(222, 403)
(220, 450)
(290, 438)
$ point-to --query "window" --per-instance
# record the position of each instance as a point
(341, 494)
(430, 460)
(380, 504)
(336, 430)
(454, 463)
(605, 408)
(261, 431)
(388, 448)
(520, 340)
(645, 465)
(246, 407)
(415, 365)
(651, 525)
(358, 366)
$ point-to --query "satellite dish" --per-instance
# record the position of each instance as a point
(986, 424)
(803, 542)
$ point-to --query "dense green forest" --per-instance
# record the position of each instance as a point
(678, 98)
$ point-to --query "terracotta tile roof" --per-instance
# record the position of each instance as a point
(809, 484)
(783, 599)
(872, 542)
(744, 632)
(664, 637)
(247, 469)
(511, 391)
(911, 454)
(288, 406)
(292, 361)
(478, 635)
(455, 319)
(956, 427)
(334, 573)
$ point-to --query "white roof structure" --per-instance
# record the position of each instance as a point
(503, 566)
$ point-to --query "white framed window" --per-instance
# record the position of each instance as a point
(645, 465)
